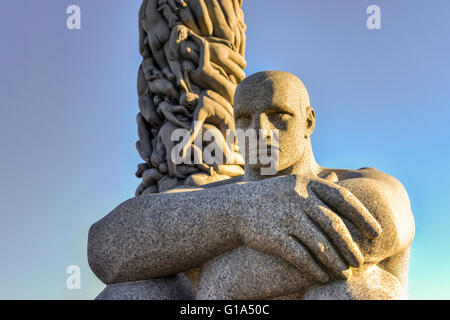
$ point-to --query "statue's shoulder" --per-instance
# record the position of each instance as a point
(385, 197)
(388, 202)
(380, 192)
(368, 175)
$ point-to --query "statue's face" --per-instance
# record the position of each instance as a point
(275, 104)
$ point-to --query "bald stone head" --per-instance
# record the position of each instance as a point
(276, 100)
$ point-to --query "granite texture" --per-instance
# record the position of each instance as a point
(170, 288)
(308, 232)
(193, 57)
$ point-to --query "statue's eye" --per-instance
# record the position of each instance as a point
(243, 121)
(281, 116)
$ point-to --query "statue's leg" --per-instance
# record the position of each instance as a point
(366, 283)
(170, 288)
(245, 274)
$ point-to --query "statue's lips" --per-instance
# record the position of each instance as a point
(268, 151)
(267, 148)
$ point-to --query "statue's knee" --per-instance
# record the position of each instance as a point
(214, 284)
(371, 283)
(171, 288)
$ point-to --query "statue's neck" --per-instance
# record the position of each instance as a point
(306, 165)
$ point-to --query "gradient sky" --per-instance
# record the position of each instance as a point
(68, 107)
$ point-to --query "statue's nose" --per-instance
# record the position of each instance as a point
(264, 126)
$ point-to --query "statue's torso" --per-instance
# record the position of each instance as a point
(244, 273)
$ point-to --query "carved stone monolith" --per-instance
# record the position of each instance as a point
(193, 59)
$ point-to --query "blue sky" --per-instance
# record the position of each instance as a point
(68, 107)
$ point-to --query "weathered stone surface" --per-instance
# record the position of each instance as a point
(192, 60)
(244, 273)
(368, 283)
(307, 232)
(171, 288)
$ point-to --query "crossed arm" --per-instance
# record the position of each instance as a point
(249, 274)
(154, 236)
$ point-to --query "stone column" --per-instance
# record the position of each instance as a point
(192, 60)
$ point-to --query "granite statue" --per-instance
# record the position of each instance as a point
(307, 232)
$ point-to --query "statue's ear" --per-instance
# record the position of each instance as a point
(310, 120)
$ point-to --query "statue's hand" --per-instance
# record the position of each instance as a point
(302, 224)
